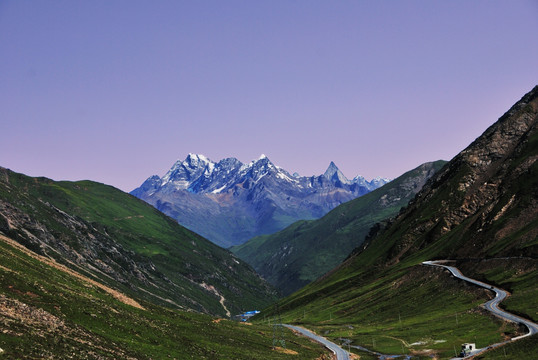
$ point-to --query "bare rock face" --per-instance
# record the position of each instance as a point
(488, 193)
(86, 247)
(14, 310)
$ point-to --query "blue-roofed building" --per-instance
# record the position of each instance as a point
(246, 315)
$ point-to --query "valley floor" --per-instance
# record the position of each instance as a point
(420, 312)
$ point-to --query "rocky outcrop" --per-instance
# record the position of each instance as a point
(86, 246)
(485, 201)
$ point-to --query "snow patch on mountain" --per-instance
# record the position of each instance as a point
(202, 195)
(199, 174)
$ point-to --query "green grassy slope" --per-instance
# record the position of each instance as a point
(127, 244)
(409, 310)
(481, 210)
(48, 313)
(299, 254)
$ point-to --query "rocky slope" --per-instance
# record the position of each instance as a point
(122, 242)
(229, 202)
(481, 210)
(299, 254)
(485, 202)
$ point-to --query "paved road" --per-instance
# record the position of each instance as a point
(340, 353)
(491, 305)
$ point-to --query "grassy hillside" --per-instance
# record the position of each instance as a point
(481, 210)
(125, 243)
(50, 311)
(299, 254)
(411, 310)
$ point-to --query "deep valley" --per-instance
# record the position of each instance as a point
(90, 272)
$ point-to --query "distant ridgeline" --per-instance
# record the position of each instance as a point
(229, 202)
(302, 252)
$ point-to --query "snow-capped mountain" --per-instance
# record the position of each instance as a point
(229, 202)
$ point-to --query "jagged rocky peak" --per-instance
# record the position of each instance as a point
(359, 179)
(263, 162)
(184, 172)
(149, 186)
(333, 173)
(196, 161)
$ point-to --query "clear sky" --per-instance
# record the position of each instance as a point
(115, 91)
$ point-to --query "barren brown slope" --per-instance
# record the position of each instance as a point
(51, 262)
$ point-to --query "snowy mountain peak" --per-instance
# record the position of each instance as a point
(184, 173)
(379, 181)
(264, 161)
(195, 160)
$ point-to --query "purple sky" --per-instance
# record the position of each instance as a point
(115, 91)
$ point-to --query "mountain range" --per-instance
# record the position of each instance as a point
(229, 202)
(293, 257)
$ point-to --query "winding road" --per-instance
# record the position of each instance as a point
(340, 353)
(491, 305)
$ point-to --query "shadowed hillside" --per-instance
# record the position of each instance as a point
(481, 209)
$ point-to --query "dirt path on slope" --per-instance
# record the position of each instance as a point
(51, 262)
(212, 289)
